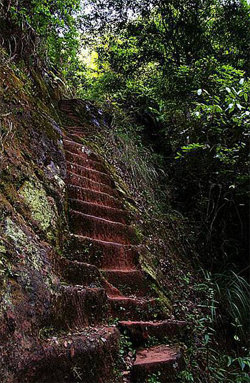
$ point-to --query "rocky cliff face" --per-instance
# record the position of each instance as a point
(32, 214)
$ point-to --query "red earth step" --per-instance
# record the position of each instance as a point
(128, 281)
(78, 273)
(84, 160)
(82, 194)
(110, 289)
(76, 307)
(92, 174)
(132, 308)
(71, 151)
(109, 213)
(99, 228)
(74, 118)
(161, 359)
(69, 134)
(79, 148)
(140, 332)
(74, 127)
(89, 355)
(77, 136)
(102, 253)
(76, 180)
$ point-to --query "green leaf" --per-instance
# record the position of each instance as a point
(207, 338)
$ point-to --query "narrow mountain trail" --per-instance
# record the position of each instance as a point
(105, 323)
(104, 275)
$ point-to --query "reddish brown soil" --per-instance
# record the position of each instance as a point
(159, 359)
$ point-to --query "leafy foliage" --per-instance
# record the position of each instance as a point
(206, 358)
(41, 28)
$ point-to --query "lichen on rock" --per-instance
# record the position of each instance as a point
(43, 208)
(23, 243)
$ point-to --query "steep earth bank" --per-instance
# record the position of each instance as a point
(72, 264)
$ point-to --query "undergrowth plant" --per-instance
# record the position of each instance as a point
(207, 360)
(142, 169)
(154, 378)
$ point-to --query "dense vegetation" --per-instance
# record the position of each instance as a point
(174, 75)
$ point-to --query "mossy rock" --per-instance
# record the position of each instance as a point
(43, 208)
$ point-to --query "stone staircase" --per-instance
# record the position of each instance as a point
(103, 250)
(101, 282)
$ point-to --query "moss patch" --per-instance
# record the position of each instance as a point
(23, 243)
(43, 209)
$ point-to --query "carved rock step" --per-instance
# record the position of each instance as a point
(92, 174)
(88, 195)
(79, 128)
(140, 331)
(161, 359)
(134, 308)
(84, 160)
(76, 180)
(81, 156)
(101, 211)
(102, 253)
(128, 281)
(74, 118)
(76, 307)
(77, 148)
(77, 136)
(73, 128)
(88, 355)
(99, 228)
(78, 273)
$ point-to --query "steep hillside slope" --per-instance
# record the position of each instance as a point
(76, 301)
(39, 307)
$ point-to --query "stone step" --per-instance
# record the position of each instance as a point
(101, 211)
(78, 148)
(77, 136)
(140, 332)
(78, 273)
(76, 180)
(99, 228)
(134, 308)
(92, 174)
(73, 128)
(128, 281)
(76, 307)
(84, 160)
(88, 195)
(111, 290)
(102, 253)
(88, 356)
(163, 360)
(73, 117)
